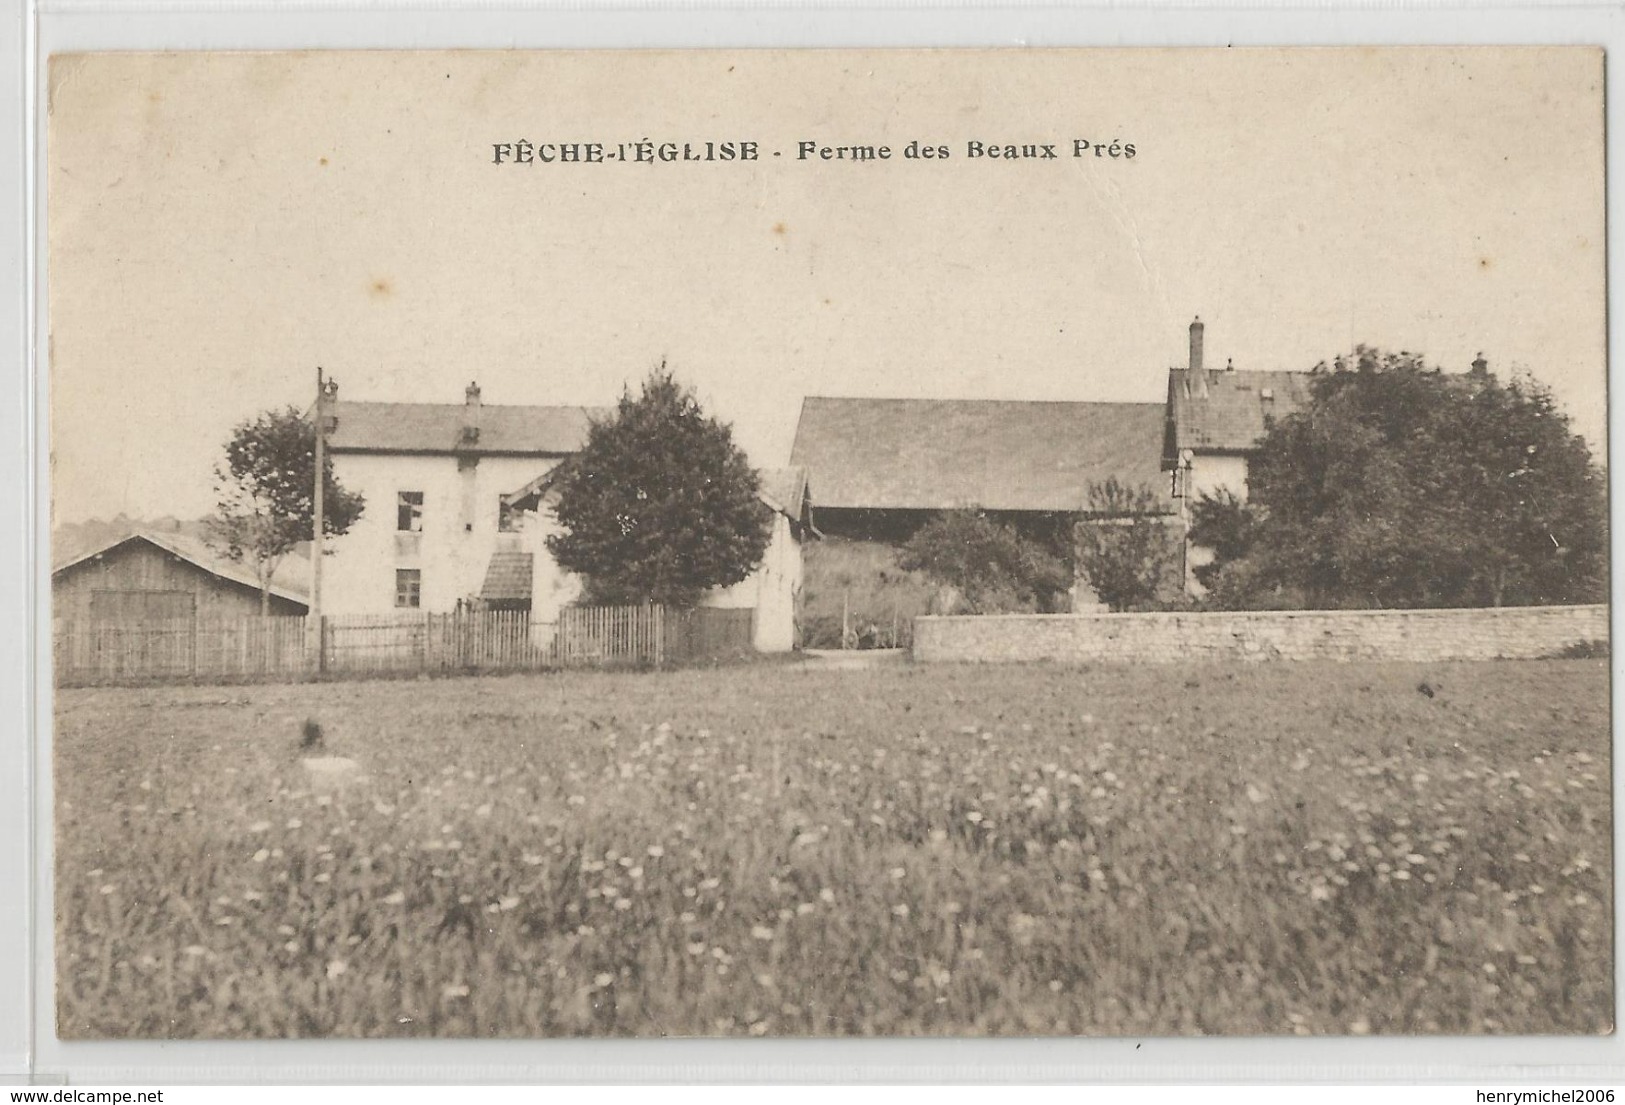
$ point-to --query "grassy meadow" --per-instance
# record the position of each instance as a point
(1265, 849)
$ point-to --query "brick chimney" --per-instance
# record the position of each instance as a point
(471, 414)
(1196, 378)
(328, 404)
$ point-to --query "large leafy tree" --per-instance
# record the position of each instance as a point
(1400, 485)
(1126, 551)
(660, 505)
(994, 568)
(265, 491)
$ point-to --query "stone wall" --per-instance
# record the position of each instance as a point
(1523, 632)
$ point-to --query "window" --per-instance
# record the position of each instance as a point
(409, 512)
(507, 517)
(408, 587)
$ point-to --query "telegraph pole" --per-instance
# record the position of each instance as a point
(316, 627)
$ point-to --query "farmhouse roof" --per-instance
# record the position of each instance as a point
(786, 490)
(1227, 411)
(200, 555)
(934, 454)
(362, 427)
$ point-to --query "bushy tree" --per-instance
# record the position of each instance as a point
(992, 566)
(1400, 485)
(1126, 551)
(1223, 524)
(265, 492)
(660, 505)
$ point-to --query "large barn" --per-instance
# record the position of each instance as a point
(885, 467)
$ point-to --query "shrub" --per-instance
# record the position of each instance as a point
(1126, 550)
(992, 567)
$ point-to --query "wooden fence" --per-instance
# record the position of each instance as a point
(283, 648)
(705, 633)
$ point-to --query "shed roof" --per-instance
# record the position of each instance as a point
(1231, 416)
(936, 454)
(438, 428)
(508, 576)
(284, 584)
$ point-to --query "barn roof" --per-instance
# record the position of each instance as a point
(936, 454)
(200, 555)
(362, 427)
(1231, 416)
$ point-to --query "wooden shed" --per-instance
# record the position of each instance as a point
(146, 577)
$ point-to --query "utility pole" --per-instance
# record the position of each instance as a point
(316, 627)
(1184, 476)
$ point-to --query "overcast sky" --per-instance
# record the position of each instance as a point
(221, 224)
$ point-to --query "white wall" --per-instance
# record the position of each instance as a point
(551, 587)
(1211, 473)
(460, 511)
(773, 589)
(1208, 476)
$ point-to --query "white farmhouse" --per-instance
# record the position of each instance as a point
(1214, 422)
(1215, 419)
(459, 505)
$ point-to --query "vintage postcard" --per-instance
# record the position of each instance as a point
(829, 543)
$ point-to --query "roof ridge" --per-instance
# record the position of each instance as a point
(483, 405)
(979, 399)
(1245, 371)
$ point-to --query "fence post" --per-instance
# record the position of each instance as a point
(321, 644)
(660, 636)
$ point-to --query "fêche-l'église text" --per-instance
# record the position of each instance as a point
(649, 152)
